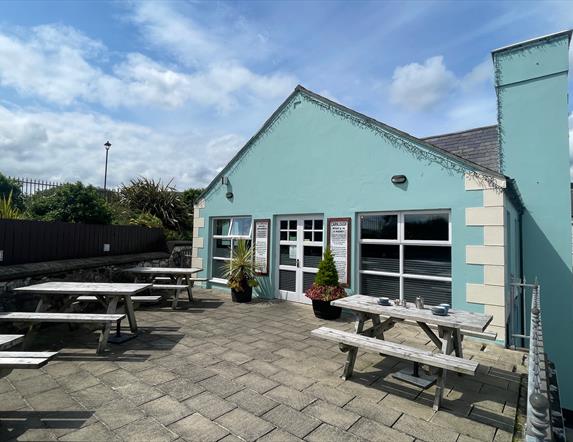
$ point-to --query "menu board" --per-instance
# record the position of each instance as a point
(339, 244)
(261, 245)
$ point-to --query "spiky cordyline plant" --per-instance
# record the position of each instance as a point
(240, 270)
(7, 209)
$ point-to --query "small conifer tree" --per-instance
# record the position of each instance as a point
(327, 274)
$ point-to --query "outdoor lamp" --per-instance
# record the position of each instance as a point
(399, 179)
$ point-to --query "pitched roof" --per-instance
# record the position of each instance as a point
(423, 144)
(479, 145)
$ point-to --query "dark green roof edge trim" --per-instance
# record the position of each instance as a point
(368, 120)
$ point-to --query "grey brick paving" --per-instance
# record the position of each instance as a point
(227, 372)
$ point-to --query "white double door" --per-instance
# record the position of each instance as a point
(300, 247)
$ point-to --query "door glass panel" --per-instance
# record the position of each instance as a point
(380, 257)
(433, 292)
(375, 285)
(287, 280)
(292, 235)
(285, 255)
(424, 260)
(222, 226)
(312, 256)
(307, 280)
(379, 226)
(426, 227)
(222, 248)
(308, 236)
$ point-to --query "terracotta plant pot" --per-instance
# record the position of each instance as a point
(323, 310)
(245, 296)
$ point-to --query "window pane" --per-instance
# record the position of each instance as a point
(247, 243)
(312, 256)
(380, 257)
(374, 285)
(241, 226)
(218, 269)
(307, 224)
(222, 226)
(379, 227)
(428, 227)
(287, 280)
(317, 224)
(433, 292)
(292, 235)
(292, 224)
(284, 224)
(308, 236)
(318, 236)
(283, 236)
(428, 260)
(222, 248)
(285, 258)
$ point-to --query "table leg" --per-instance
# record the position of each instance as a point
(177, 291)
(130, 313)
(379, 332)
(40, 307)
(353, 351)
(446, 334)
(458, 343)
(189, 288)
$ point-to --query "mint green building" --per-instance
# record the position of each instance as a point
(453, 218)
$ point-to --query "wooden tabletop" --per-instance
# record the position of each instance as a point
(164, 270)
(7, 341)
(85, 288)
(460, 319)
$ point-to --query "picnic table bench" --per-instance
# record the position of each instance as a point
(448, 340)
(177, 279)
(10, 360)
(62, 294)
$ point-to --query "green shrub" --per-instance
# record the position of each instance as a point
(7, 208)
(74, 203)
(146, 219)
(327, 274)
(9, 186)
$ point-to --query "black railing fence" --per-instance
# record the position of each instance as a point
(30, 186)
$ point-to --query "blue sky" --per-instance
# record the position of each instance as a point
(178, 87)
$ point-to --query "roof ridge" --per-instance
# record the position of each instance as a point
(460, 131)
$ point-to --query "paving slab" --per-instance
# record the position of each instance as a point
(252, 402)
(209, 405)
(292, 421)
(375, 431)
(332, 414)
(199, 428)
(328, 433)
(245, 425)
(291, 397)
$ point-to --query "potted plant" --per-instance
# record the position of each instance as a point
(240, 273)
(325, 289)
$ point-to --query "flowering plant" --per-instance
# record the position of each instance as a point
(326, 286)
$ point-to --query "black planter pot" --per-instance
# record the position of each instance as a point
(245, 296)
(323, 310)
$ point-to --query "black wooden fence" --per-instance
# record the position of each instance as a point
(23, 241)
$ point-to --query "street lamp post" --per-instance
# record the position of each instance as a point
(107, 145)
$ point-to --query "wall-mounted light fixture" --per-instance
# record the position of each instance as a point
(224, 180)
(229, 195)
(399, 179)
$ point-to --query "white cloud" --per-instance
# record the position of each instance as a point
(418, 87)
(68, 146)
(57, 64)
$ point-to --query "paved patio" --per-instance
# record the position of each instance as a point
(227, 372)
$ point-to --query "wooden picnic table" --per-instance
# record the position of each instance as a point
(9, 341)
(108, 293)
(175, 274)
(449, 327)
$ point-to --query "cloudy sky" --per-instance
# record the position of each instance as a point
(178, 87)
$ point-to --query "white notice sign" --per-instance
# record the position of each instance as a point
(339, 243)
(261, 247)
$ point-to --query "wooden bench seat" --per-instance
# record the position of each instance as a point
(178, 289)
(348, 341)
(490, 336)
(38, 317)
(170, 286)
(28, 354)
(13, 363)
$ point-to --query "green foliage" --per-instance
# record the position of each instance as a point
(161, 200)
(327, 274)
(240, 270)
(190, 196)
(74, 203)
(9, 186)
(146, 219)
(7, 209)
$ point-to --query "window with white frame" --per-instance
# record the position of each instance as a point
(405, 255)
(226, 233)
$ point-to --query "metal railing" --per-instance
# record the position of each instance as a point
(544, 418)
(30, 186)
